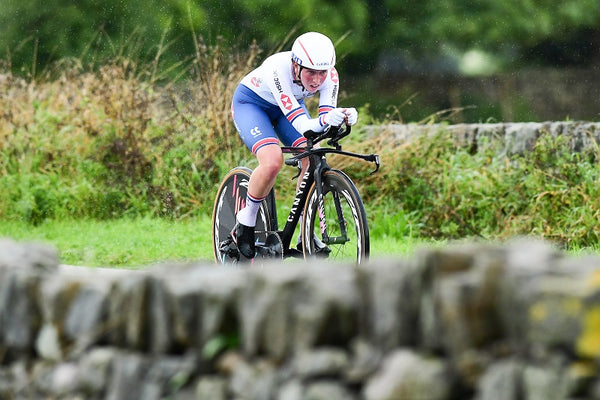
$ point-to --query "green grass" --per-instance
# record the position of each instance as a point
(134, 243)
(119, 242)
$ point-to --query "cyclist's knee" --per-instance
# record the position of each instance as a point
(270, 159)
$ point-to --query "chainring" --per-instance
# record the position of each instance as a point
(272, 248)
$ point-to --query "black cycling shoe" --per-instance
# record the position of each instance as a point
(243, 237)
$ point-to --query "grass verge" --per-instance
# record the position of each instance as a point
(138, 242)
(119, 242)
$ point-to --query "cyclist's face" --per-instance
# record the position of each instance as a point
(312, 79)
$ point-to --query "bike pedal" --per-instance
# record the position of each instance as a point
(294, 253)
(229, 249)
(323, 253)
(263, 251)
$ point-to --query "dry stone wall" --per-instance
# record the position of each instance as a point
(515, 137)
(518, 320)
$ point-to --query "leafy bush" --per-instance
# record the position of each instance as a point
(114, 142)
(447, 191)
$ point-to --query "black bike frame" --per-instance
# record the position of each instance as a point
(317, 166)
(299, 200)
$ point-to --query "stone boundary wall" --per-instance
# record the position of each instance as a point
(517, 320)
(516, 137)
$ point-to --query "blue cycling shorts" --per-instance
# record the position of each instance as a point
(260, 123)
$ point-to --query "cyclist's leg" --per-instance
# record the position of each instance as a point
(254, 126)
(291, 137)
(287, 133)
(231, 196)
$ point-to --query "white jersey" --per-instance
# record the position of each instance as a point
(273, 81)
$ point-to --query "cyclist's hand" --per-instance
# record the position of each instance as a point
(335, 117)
(351, 116)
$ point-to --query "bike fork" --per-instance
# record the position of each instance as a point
(343, 238)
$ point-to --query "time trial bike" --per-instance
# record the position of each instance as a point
(328, 201)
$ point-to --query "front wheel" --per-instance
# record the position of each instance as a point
(231, 197)
(340, 222)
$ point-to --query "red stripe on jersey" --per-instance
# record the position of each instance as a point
(324, 109)
(295, 114)
(264, 142)
(299, 142)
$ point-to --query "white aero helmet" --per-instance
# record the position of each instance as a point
(314, 50)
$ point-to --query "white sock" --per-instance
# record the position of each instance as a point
(247, 215)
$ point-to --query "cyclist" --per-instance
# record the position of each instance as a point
(268, 106)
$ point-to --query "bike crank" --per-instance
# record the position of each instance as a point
(272, 248)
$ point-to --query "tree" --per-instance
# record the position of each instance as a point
(36, 32)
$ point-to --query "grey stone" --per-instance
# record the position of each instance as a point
(325, 308)
(159, 314)
(87, 314)
(59, 379)
(543, 383)
(171, 373)
(266, 310)
(255, 381)
(556, 309)
(125, 314)
(14, 380)
(140, 314)
(126, 377)
(526, 262)
(489, 135)
(28, 257)
(19, 312)
(94, 366)
(390, 294)
(321, 362)
(75, 305)
(508, 138)
(327, 390)
(408, 375)
(185, 290)
(502, 381)
(365, 359)
(520, 137)
(584, 136)
(204, 302)
(467, 304)
(48, 344)
(292, 390)
(211, 387)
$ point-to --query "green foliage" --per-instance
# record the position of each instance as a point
(217, 344)
(498, 23)
(37, 33)
(448, 191)
(107, 143)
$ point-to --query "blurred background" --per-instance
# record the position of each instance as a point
(460, 60)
